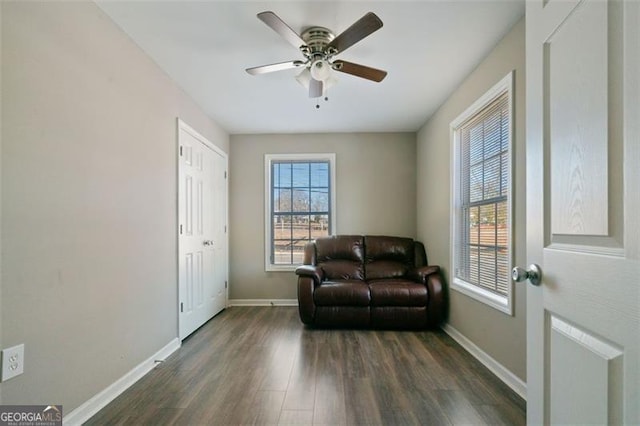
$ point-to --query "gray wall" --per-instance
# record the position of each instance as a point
(375, 178)
(89, 277)
(503, 337)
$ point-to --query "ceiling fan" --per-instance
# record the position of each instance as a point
(319, 46)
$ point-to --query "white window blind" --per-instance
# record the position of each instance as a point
(481, 248)
(484, 153)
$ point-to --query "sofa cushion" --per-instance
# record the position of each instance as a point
(341, 257)
(342, 293)
(394, 292)
(388, 257)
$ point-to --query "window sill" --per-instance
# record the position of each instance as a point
(500, 303)
(280, 268)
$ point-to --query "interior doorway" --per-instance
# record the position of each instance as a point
(202, 230)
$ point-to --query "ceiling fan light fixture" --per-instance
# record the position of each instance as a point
(328, 84)
(320, 70)
(304, 78)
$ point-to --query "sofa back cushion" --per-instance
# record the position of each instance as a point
(388, 257)
(341, 257)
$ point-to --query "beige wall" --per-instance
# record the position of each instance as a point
(376, 181)
(89, 200)
(503, 337)
(88, 212)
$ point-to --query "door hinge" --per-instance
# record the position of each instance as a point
(181, 307)
(225, 229)
(225, 174)
(180, 229)
(180, 150)
(225, 284)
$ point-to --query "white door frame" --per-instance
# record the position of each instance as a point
(181, 125)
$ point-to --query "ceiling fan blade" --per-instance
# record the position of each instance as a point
(274, 67)
(364, 26)
(279, 26)
(358, 70)
(315, 88)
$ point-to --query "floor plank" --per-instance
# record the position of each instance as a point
(260, 365)
(296, 417)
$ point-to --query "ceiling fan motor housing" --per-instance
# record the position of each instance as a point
(316, 39)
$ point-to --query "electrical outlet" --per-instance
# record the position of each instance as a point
(12, 362)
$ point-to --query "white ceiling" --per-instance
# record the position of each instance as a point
(427, 47)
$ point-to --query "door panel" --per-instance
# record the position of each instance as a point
(588, 391)
(576, 64)
(202, 265)
(583, 322)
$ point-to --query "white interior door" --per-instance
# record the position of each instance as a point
(583, 321)
(202, 242)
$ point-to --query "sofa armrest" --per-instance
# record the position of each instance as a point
(432, 278)
(311, 271)
(309, 277)
(306, 305)
(421, 274)
(437, 302)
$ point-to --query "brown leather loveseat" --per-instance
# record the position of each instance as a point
(369, 281)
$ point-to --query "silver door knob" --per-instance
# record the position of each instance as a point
(207, 243)
(533, 274)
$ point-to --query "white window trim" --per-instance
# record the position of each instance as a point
(268, 159)
(501, 303)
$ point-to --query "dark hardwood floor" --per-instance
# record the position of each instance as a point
(260, 365)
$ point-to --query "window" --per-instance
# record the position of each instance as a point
(300, 205)
(481, 202)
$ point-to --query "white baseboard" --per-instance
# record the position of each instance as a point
(263, 302)
(99, 401)
(510, 379)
